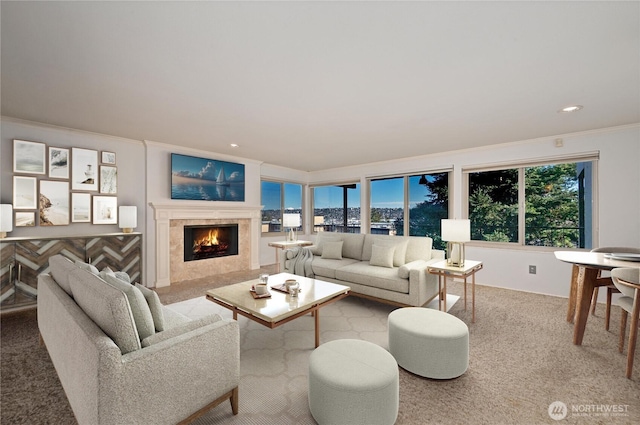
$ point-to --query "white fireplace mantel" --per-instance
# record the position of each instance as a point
(164, 213)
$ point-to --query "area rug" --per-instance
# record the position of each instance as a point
(274, 362)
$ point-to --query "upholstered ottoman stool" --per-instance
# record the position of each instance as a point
(353, 382)
(428, 342)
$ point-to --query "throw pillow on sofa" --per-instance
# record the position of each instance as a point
(332, 250)
(154, 305)
(139, 307)
(382, 255)
(107, 306)
(88, 267)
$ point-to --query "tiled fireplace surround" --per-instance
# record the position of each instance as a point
(170, 220)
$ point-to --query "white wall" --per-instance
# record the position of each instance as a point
(130, 161)
(618, 189)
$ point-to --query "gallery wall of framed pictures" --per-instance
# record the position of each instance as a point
(55, 186)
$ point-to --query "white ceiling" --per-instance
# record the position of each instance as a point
(319, 85)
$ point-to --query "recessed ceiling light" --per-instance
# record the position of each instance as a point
(571, 108)
(234, 145)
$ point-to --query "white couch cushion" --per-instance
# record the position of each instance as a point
(382, 256)
(353, 243)
(60, 267)
(157, 312)
(419, 248)
(379, 277)
(107, 306)
(398, 242)
(323, 237)
(139, 307)
(327, 268)
(332, 250)
(181, 329)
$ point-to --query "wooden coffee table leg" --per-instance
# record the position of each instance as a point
(573, 294)
(316, 317)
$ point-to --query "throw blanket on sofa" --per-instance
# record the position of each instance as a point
(301, 263)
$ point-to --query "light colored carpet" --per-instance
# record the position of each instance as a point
(274, 362)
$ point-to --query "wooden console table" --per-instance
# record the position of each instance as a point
(23, 259)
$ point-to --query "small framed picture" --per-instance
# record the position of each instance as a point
(54, 203)
(25, 219)
(108, 179)
(105, 210)
(108, 157)
(58, 163)
(29, 157)
(24, 193)
(80, 208)
(84, 168)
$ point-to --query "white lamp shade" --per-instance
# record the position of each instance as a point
(127, 217)
(6, 218)
(456, 230)
(291, 220)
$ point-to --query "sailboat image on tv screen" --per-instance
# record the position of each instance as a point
(206, 179)
(222, 180)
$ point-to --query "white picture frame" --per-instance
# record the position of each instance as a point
(81, 207)
(108, 157)
(108, 179)
(105, 209)
(25, 193)
(25, 219)
(84, 169)
(58, 163)
(54, 203)
(29, 157)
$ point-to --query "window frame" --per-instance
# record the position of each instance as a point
(282, 184)
(312, 188)
(520, 166)
(406, 192)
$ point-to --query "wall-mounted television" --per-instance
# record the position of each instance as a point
(204, 179)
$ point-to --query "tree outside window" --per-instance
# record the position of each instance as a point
(557, 211)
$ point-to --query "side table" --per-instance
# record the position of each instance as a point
(443, 271)
(285, 245)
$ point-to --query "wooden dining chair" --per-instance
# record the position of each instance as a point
(627, 281)
(611, 289)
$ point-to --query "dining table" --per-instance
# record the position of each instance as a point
(584, 279)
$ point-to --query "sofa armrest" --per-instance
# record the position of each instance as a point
(168, 381)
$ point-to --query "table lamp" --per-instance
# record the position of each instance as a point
(292, 221)
(6, 219)
(456, 232)
(127, 218)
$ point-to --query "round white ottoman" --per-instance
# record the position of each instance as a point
(428, 342)
(353, 382)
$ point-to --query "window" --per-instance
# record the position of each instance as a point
(412, 205)
(277, 199)
(543, 204)
(336, 208)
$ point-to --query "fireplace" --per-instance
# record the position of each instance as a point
(210, 241)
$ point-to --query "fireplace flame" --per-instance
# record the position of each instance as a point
(209, 243)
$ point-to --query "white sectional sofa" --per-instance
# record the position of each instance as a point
(391, 269)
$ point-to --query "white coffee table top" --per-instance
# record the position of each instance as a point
(280, 305)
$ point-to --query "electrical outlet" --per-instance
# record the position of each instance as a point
(532, 269)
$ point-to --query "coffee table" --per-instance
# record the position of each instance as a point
(281, 307)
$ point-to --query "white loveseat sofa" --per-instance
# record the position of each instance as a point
(391, 269)
(120, 362)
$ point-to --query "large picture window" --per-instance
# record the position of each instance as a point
(410, 205)
(336, 208)
(279, 198)
(544, 204)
